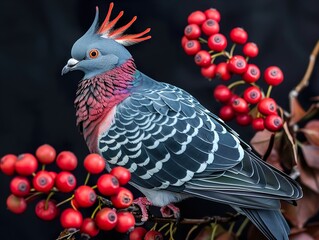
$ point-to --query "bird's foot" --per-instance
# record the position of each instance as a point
(170, 210)
(143, 203)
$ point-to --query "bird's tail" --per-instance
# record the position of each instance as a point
(270, 222)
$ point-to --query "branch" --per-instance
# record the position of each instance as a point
(305, 80)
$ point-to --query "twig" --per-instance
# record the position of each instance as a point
(305, 80)
(194, 221)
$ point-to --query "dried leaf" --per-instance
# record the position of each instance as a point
(311, 131)
(309, 176)
(311, 153)
(306, 208)
(207, 231)
(296, 110)
(204, 234)
(226, 236)
(312, 111)
(275, 160)
(313, 230)
(260, 141)
(301, 236)
(288, 149)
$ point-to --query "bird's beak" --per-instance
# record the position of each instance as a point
(69, 66)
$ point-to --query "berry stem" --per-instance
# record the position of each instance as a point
(43, 167)
(163, 227)
(65, 201)
(242, 227)
(95, 210)
(87, 178)
(191, 231)
(269, 91)
(214, 226)
(223, 53)
(232, 50)
(33, 195)
(202, 40)
(47, 200)
(235, 84)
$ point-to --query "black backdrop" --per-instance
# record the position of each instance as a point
(37, 103)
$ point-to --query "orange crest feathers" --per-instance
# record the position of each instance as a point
(107, 31)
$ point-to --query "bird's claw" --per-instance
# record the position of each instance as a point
(170, 210)
(143, 203)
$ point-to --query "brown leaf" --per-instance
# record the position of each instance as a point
(311, 131)
(296, 110)
(311, 153)
(301, 236)
(260, 141)
(287, 149)
(313, 229)
(226, 236)
(309, 176)
(306, 208)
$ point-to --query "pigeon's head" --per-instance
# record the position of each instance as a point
(102, 48)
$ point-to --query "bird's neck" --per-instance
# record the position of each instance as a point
(97, 96)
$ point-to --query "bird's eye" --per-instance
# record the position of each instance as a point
(94, 53)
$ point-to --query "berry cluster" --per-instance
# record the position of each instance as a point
(108, 199)
(203, 40)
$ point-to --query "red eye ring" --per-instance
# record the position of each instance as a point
(94, 53)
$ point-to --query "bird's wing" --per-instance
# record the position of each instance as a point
(171, 142)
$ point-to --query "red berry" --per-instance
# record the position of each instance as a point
(26, 164)
(46, 210)
(46, 154)
(106, 219)
(217, 42)
(209, 72)
(71, 218)
(53, 175)
(65, 181)
(153, 235)
(210, 27)
(222, 71)
(197, 17)
(184, 41)
(192, 31)
(267, 106)
(273, 123)
(125, 222)
(238, 35)
(258, 124)
(237, 64)
(222, 93)
(89, 227)
(42, 181)
(20, 186)
(240, 105)
(85, 196)
(138, 233)
(203, 58)
(252, 73)
(252, 95)
(7, 164)
(213, 13)
(244, 119)
(273, 75)
(226, 113)
(123, 198)
(67, 161)
(122, 174)
(192, 47)
(16, 204)
(250, 49)
(107, 184)
(94, 163)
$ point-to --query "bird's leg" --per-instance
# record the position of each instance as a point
(170, 210)
(142, 203)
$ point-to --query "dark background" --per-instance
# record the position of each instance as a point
(36, 103)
